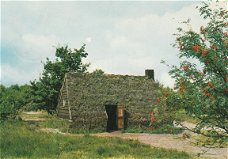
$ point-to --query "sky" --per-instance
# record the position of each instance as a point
(121, 37)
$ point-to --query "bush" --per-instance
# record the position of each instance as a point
(12, 99)
(161, 114)
(202, 89)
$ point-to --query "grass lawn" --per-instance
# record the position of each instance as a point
(20, 140)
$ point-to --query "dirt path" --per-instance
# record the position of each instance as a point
(170, 142)
(33, 116)
(167, 141)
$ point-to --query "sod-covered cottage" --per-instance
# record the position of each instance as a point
(106, 102)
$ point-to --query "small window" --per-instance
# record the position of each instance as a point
(64, 103)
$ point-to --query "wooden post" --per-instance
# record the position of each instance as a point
(120, 116)
(68, 100)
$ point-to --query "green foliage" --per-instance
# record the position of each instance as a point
(46, 89)
(203, 93)
(181, 115)
(164, 129)
(98, 72)
(34, 144)
(162, 114)
(12, 99)
(210, 142)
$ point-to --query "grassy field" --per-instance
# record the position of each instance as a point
(23, 140)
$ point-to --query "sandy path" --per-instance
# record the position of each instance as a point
(167, 141)
(170, 142)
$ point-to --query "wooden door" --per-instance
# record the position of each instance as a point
(120, 116)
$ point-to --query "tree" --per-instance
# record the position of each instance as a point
(46, 90)
(203, 92)
(12, 99)
(98, 72)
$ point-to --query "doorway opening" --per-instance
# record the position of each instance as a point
(112, 117)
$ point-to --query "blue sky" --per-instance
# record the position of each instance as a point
(120, 37)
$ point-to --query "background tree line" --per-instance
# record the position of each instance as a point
(43, 93)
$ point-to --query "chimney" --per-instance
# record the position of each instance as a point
(149, 73)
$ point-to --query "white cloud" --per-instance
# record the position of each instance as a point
(139, 43)
(102, 64)
(142, 42)
(166, 80)
(38, 47)
(88, 40)
(221, 4)
(38, 40)
(17, 75)
(118, 39)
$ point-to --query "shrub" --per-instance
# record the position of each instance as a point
(12, 99)
(203, 89)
